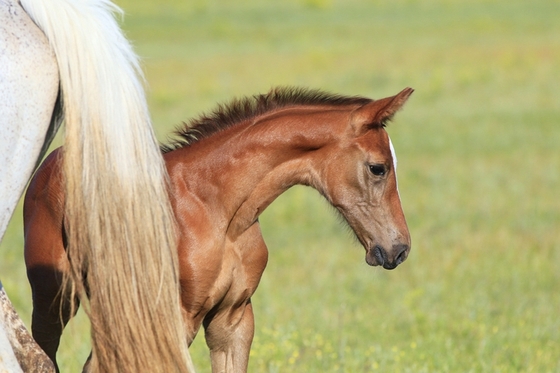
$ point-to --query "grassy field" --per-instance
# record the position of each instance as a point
(479, 176)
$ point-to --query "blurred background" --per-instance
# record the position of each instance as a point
(479, 177)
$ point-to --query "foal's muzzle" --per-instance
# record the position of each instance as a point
(378, 256)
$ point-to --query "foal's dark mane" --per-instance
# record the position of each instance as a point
(240, 110)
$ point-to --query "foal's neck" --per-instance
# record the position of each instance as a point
(244, 168)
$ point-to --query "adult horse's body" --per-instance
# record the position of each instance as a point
(225, 170)
(69, 58)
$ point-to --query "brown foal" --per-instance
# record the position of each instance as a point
(224, 170)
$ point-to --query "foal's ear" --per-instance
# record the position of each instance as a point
(379, 112)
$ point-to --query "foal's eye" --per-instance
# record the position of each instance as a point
(377, 169)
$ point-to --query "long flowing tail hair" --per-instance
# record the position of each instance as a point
(119, 222)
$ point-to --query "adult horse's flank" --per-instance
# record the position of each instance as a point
(225, 169)
(69, 58)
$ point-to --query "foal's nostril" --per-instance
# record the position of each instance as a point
(397, 255)
(401, 256)
(380, 255)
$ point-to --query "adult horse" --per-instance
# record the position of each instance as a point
(68, 58)
(225, 169)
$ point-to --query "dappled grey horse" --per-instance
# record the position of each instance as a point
(68, 58)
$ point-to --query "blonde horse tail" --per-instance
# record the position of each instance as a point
(120, 225)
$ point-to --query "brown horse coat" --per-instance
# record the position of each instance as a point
(225, 169)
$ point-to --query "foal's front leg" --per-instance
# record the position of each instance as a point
(229, 336)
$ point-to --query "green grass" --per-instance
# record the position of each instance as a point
(479, 175)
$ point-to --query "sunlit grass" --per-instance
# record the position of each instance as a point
(479, 175)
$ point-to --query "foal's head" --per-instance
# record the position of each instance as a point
(360, 181)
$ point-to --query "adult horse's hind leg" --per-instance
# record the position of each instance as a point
(28, 87)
